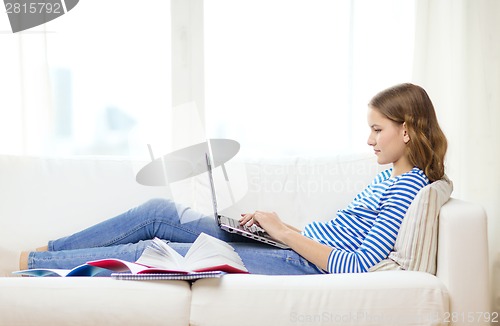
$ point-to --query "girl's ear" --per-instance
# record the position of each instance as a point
(406, 136)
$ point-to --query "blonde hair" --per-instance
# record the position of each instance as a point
(410, 104)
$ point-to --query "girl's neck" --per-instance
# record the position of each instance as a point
(400, 167)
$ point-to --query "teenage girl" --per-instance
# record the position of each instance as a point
(404, 131)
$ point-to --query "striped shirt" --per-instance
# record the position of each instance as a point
(364, 233)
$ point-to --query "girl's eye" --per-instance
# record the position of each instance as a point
(377, 130)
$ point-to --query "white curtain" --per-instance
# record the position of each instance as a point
(25, 99)
(457, 60)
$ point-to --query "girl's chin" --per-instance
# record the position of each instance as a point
(381, 161)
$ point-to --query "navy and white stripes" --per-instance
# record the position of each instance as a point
(364, 233)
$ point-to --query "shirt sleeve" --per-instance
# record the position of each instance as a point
(381, 238)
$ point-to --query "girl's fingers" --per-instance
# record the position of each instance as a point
(245, 218)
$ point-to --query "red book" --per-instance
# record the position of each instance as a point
(206, 254)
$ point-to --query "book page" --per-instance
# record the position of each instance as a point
(208, 251)
(204, 254)
(161, 255)
(118, 265)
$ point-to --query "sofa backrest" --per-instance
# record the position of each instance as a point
(46, 198)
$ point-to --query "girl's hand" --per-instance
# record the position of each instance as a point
(269, 221)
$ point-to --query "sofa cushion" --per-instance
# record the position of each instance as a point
(92, 301)
(416, 245)
(386, 298)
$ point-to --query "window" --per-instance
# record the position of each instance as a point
(282, 77)
(292, 77)
(105, 71)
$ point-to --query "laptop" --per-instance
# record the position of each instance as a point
(232, 224)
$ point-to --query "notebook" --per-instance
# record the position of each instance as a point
(166, 276)
(232, 224)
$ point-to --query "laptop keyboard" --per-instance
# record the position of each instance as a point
(253, 229)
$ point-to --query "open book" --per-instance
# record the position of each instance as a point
(205, 254)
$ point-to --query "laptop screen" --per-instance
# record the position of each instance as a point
(212, 186)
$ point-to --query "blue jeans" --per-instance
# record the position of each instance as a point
(127, 235)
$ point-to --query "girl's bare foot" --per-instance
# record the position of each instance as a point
(44, 248)
(23, 260)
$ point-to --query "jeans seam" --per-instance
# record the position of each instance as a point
(31, 260)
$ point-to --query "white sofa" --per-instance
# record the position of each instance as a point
(45, 198)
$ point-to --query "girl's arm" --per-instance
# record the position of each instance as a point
(293, 228)
(311, 250)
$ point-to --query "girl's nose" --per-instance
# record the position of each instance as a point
(370, 141)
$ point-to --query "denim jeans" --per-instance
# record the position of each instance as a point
(127, 235)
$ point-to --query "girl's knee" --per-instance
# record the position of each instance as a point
(158, 208)
(158, 201)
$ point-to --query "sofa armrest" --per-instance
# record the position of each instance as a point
(463, 261)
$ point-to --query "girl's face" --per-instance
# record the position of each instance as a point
(388, 139)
